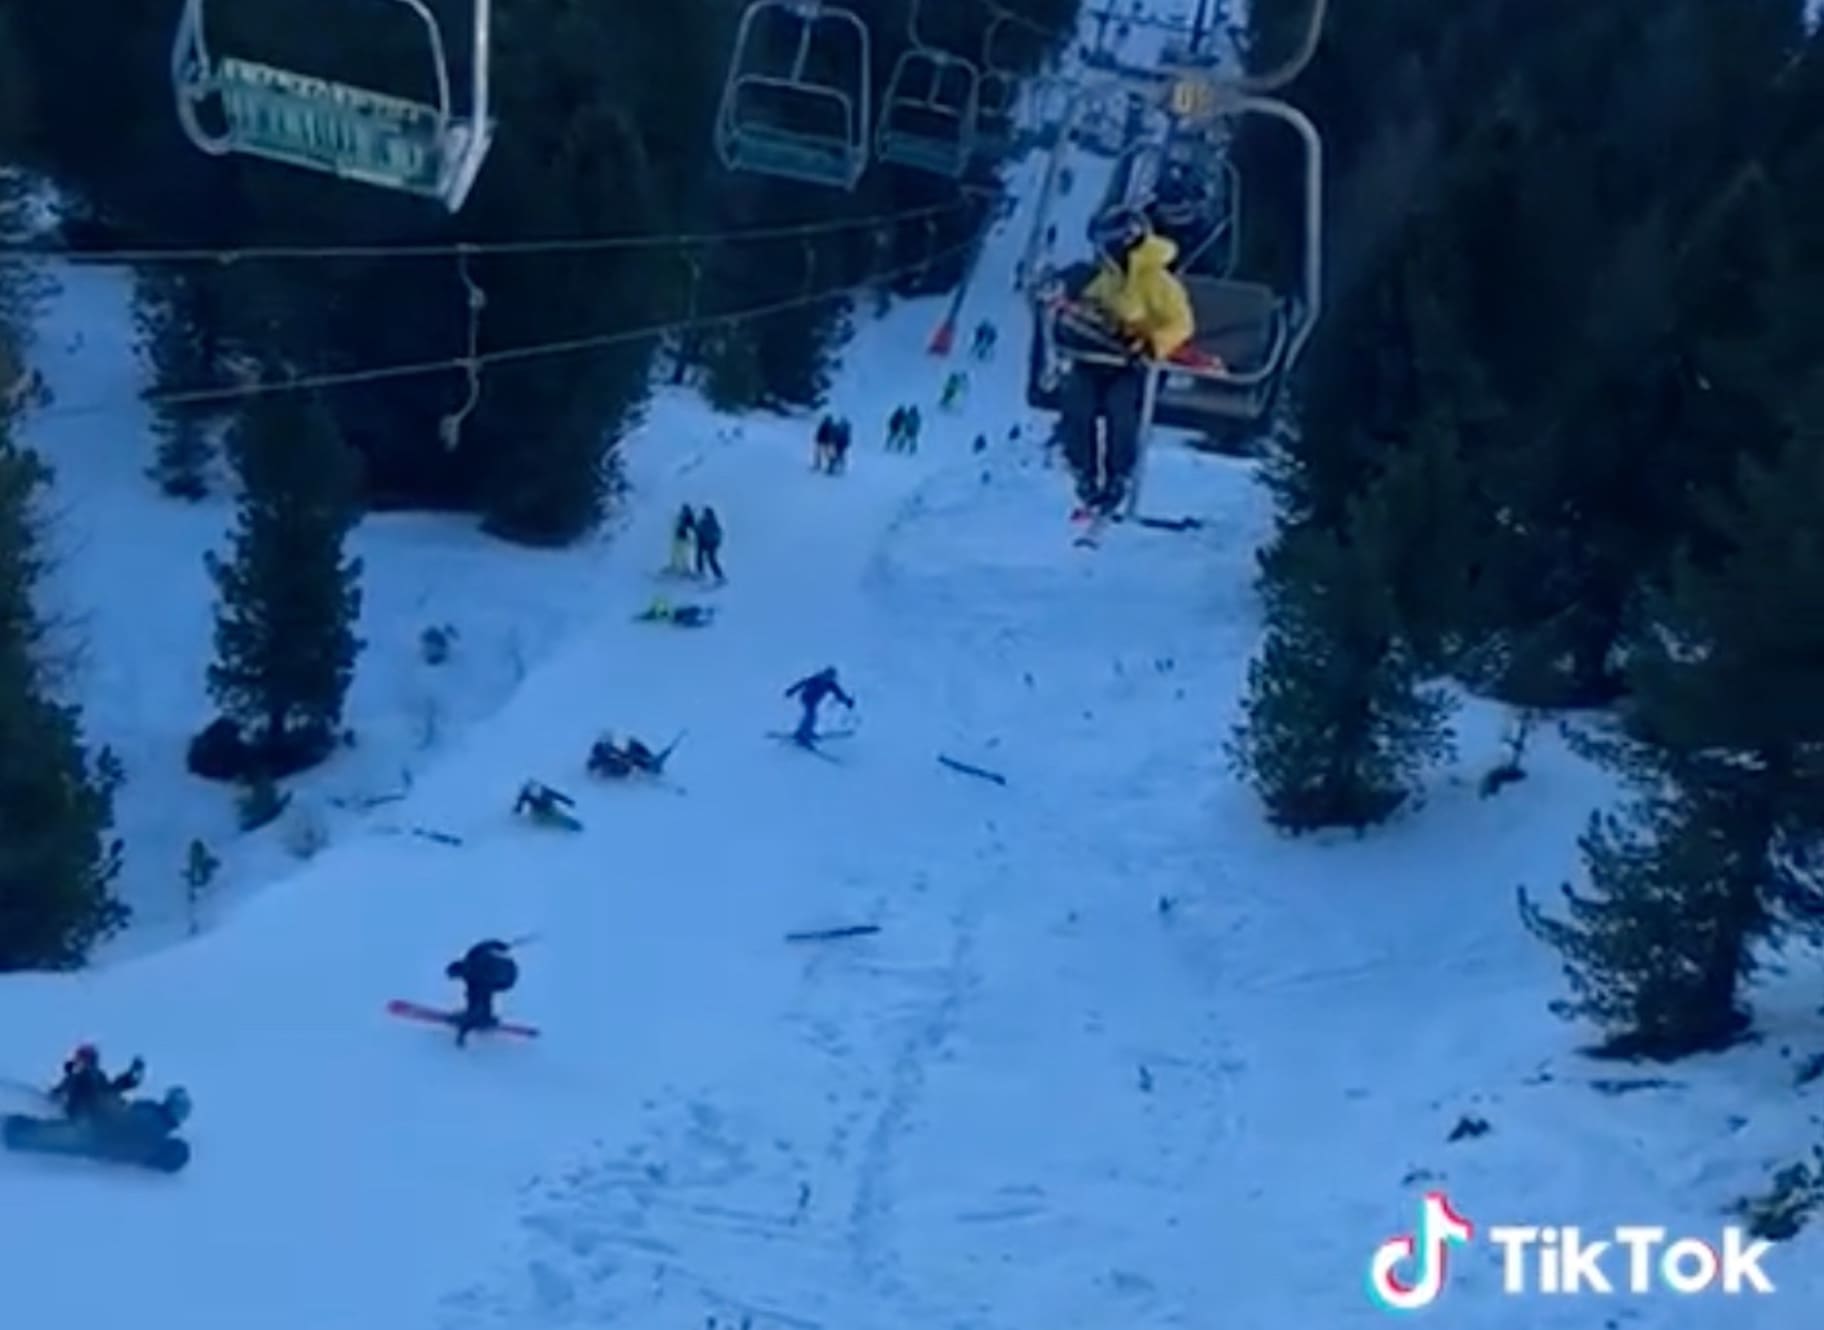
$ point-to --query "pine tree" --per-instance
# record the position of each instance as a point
(180, 335)
(1713, 857)
(289, 600)
(1338, 722)
(56, 805)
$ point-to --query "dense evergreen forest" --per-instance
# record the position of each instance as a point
(1558, 444)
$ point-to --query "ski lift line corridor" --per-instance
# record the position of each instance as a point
(433, 151)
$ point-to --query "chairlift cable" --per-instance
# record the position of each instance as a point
(508, 355)
(452, 249)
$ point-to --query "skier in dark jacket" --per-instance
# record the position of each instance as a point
(683, 536)
(810, 692)
(709, 543)
(896, 428)
(825, 457)
(842, 435)
(485, 971)
(87, 1090)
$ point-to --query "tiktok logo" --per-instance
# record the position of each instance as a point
(1427, 1251)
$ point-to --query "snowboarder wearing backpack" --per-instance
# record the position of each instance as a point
(811, 692)
(485, 971)
(709, 543)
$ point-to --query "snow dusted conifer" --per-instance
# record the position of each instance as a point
(285, 623)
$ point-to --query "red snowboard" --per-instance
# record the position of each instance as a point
(414, 1011)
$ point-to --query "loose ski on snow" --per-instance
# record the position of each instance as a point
(417, 1011)
(833, 934)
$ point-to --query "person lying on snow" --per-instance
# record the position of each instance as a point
(86, 1090)
(608, 759)
(684, 616)
(542, 802)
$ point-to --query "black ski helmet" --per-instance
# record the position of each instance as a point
(1115, 231)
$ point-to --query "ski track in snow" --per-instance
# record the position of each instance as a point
(1118, 1056)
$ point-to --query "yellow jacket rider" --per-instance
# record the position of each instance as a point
(1134, 286)
(1136, 292)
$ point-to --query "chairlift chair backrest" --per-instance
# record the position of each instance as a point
(793, 122)
(927, 118)
(318, 124)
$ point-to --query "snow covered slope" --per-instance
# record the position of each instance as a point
(1118, 1057)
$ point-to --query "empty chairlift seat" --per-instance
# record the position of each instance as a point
(927, 118)
(795, 104)
(230, 106)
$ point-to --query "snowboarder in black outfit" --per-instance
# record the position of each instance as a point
(709, 543)
(485, 971)
(86, 1090)
(810, 692)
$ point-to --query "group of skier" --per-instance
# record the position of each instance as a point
(903, 427)
(696, 544)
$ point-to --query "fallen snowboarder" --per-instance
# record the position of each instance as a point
(100, 1122)
(683, 616)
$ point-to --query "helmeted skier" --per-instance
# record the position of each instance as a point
(485, 971)
(86, 1090)
(811, 692)
(1146, 308)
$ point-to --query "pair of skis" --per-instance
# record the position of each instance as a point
(811, 745)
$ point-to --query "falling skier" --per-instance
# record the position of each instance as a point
(546, 806)
(811, 692)
(1139, 307)
(485, 971)
(618, 761)
(683, 616)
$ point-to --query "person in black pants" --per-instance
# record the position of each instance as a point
(709, 543)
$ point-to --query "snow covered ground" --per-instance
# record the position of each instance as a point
(136, 606)
(1118, 1056)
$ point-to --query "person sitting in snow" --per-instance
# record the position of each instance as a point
(543, 804)
(685, 616)
(87, 1091)
(810, 692)
(485, 971)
